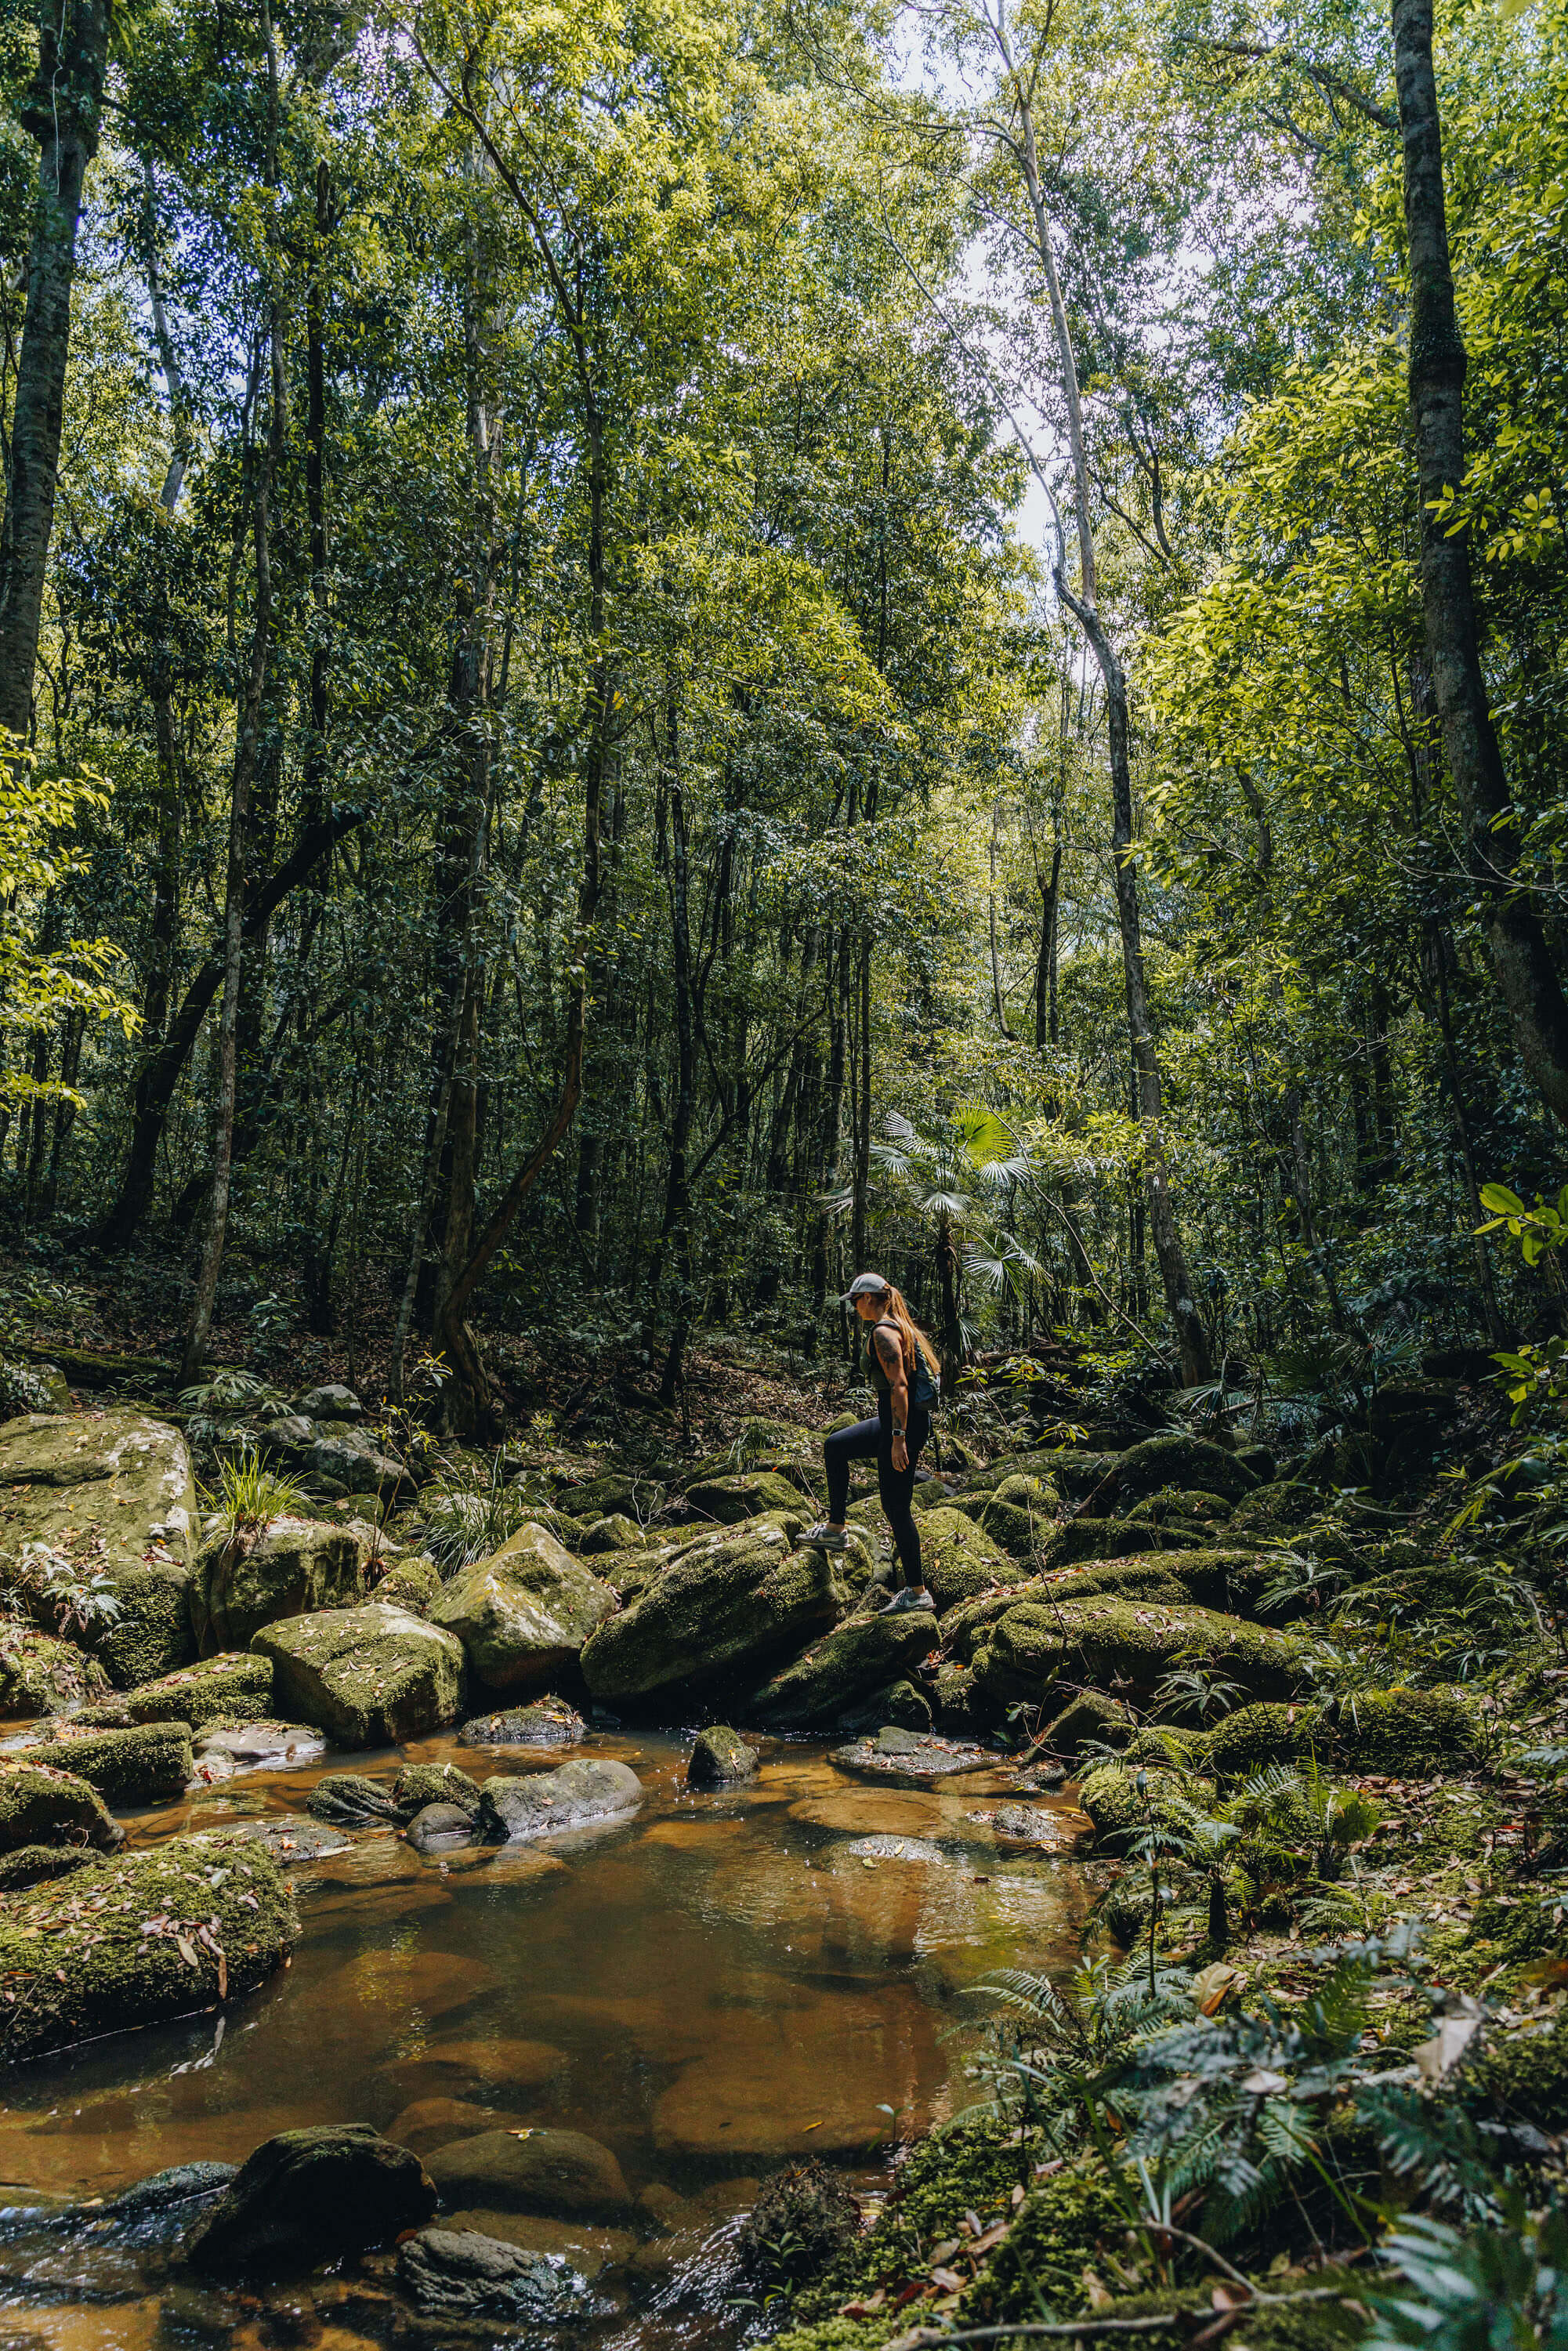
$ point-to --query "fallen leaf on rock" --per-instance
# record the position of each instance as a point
(186, 1949)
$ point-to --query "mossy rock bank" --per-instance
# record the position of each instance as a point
(78, 1959)
(41, 1675)
(41, 1805)
(368, 1677)
(744, 1495)
(1034, 1646)
(830, 1685)
(234, 1685)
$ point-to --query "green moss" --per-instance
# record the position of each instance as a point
(1092, 1717)
(418, 1784)
(1059, 2224)
(234, 1686)
(1280, 1508)
(39, 1675)
(1526, 2072)
(840, 1671)
(1189, 1506)
(153, 1635)
(1255, 1736)
(41, 1805)
(36, 1865)
(523, 1614)
(960, 1560)
(1182, 1461)
(126, 1767)
(1101, 1642)
(412, 1583)
(1091, 1539)
(1109, 1794)
(368, 1677)
(1407, 1733)
(1180, 1579)
(744, 1495)
(77, 1976)
(725, 1609)
(947, 2174)
(1019, 1513)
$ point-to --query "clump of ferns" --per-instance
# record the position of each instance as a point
(1292, 1821)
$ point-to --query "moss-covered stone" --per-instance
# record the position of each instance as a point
(113, 1489)
(78, 1976)
(1281, 1508)
(40, 1675)
(1525, 2073)
(1256, 1736)
(351, 1800)
(1070, 1472)
(720, 1757)
(127, 1767)
(40, 1805)
(1156, 1575)
(411, 1582)
(1019, 1513)
(1179, 1461)
(613, 1496)
(613, 1533)
(744, 1494)
(1062, 2222)
(547, 1802)
(1100, 1539)
(310, 2195)
(368, 1677)
(728, 1606)
(960, 1560)
(1406, 1733)
(38, 1865)
(524, 1613)
(953, 1696)
(292, 1568)
(826, 1687)
(418, 1784)
(1110, 1796)
(233, 1686)
(548, 1722)
(1093, 1718)
(1182, 1505)
(1034, 1645)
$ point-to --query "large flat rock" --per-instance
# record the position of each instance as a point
(368, 1677)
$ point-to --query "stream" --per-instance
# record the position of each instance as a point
(722, 1983)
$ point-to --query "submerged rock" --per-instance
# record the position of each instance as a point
(720, 1759)
(895, 1754)
(117, 1486)
(215, 1689)
(126, 1767)
(195, 1921)
(352, 1801)
(42, 1805)
(458, 2273)
(370, 1677)
(39, 1675)
(437, 1825)
(307, 2195)
(559, 2171)
(264, 1746)
(548, 1802)
(524, 1613)
(548, 1722)
(844, 1668)
(723, 1611)
(294, 1568)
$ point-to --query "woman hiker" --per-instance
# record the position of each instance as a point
(903, 1373)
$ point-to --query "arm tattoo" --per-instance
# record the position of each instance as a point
(891, 1352)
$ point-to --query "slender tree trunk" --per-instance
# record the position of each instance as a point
(1516, 938)
(246, 752)
(1045, 1015)
(61, 111)
(677, 1221)
(996, 1005)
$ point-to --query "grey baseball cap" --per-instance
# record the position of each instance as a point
(866, 1285)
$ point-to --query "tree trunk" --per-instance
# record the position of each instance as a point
(677, 1223)
(61, 111)
(246, 752)
(1516, 938)
(1045, 1018)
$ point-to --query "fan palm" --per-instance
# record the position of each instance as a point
(961, 1185)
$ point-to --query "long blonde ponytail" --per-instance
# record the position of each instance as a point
(910, 1334)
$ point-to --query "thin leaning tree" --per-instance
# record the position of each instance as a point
(1007, 127)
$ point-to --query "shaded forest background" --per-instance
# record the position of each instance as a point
(569, 786)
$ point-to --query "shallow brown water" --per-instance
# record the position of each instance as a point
(719, 1983)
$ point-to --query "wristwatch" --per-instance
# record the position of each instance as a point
(897, 1431)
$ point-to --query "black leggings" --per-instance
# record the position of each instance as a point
(895, 1486)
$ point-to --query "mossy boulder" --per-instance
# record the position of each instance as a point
(1179, 1460)
(745, 1494)
(1110, 1797)
(548, 1722)
(960, 1560)
(613, 1533)
(1226, 1580)
(312, 2195)
(40, 1675)
(1019, 1513)
(1256, 1736)
(1033, 1647)
(368, 1677)
(1082, 1540)
(294, 1567)
(351, 1800)
(36, 1864)
(611, 1495)
(952, 1699)
(126, 1767)
(1068, 1471)
(727, 1608)
(1410, 1734)
(81, 1965)
(1181, 1505)
(418, 1784)
(233, 1686)
(411, 1582)
(41, 1805)
(828, 1685)
(113, 1489)
(720, 1759)
(524, 1613)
